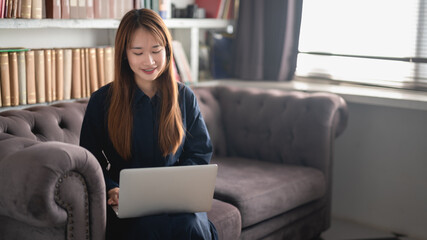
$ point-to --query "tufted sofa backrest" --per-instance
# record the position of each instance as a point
(211, 112)
(58, 122)
(272, 125)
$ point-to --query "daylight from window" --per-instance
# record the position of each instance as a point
(365, 41)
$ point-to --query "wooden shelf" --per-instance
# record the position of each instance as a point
(107, 23)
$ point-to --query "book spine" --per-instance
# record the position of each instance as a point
(53, 82)
(87, 73)
(59, 74)
(105, 8)
(14, 13)
(26, 9)
(65, 9)
(14, 82)
(92, 70)
(108, 64)
(36, 9)
(89, 9)
(100, 66)
(9, 7)
(40, 76)
(74, 9)
(19, 9)
(76, 74)
(53, 9)
(5, 79)
(81, 8)
(31, 78)
(22, 78)
(68, 62)
(83, 73)
(48, 74)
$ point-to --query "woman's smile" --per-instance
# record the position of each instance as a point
(149, 70)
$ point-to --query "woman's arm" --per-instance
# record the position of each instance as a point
(91, 136)
(197, 147)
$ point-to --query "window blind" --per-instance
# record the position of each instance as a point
(378, 42)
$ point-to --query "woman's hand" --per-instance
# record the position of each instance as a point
(113, 196)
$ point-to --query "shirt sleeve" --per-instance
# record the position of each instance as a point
(197, 147)
(91, 136)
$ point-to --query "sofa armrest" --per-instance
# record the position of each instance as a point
(54, 184)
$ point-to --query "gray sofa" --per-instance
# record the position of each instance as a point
(273, 148)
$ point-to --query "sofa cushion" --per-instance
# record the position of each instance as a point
(261, 190)
(226, 218)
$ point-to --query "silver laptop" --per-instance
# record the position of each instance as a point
(177, 189)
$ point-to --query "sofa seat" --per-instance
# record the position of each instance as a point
(275, 188)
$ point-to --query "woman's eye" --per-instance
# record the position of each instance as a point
(158, 51)
(137, 54)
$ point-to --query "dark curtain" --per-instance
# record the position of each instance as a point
(266, 44)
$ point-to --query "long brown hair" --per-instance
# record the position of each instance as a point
(120, 115)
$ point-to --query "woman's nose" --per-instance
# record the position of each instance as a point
(148, 59)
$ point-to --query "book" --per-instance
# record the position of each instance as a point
(53, 9)
(36, 9)
(83, 73)
(74, 9)
(87, 73)
(1, 12)
(14, 81)
(40, 76)
(14, 9)
(89, 9)
(101, 8)
(76, 78)
(108, 64)
(81, 9)
(59, 74)
(48, 74)
(53, 82)
(65, 9)
(8, 8)
(19, 9)
(100, 66)
(22, 78)
(112, 6)
(26, 9)
(5, 79)
(93, 76)
(68, 62)
(182, 62)
(31, 78)
(213, 8)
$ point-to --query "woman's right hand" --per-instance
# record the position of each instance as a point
(113, 196)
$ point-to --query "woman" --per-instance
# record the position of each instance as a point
(144, 118)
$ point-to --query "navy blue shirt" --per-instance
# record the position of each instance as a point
(196, 147)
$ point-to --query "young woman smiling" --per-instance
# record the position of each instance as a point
(144, 118)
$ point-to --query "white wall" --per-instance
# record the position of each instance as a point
(380, 169)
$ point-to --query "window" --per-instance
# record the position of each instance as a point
(375, 42)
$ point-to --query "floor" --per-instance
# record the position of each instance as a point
(345, 230)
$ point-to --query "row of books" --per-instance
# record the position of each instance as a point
(29, 76)
(78, 9)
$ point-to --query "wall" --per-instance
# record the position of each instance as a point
(380, 169)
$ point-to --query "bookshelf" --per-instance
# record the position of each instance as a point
(94, 32)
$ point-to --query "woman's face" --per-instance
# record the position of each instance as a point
(146, 56)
